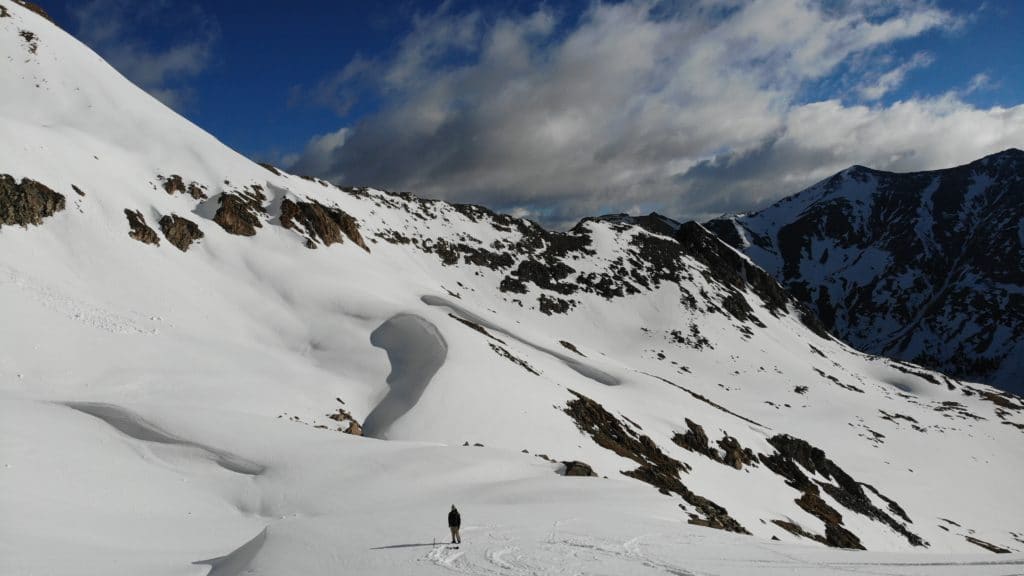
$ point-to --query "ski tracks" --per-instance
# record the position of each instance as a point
(498, 553)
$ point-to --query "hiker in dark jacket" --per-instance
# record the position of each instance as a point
(454, 521)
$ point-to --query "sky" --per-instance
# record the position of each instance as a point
(558, 110)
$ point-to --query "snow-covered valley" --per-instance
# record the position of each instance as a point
(187, 336)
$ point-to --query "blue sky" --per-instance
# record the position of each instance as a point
(560, 109)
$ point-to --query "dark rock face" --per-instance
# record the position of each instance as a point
(321, 222)
(139, 229)
(895, 263)
(179, 231)
(656, 468)
(577, 468)
(795, 455)
(696, 440)
(27, 202)
(239, 213)
(175, 185)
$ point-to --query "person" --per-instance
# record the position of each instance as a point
(454, 522)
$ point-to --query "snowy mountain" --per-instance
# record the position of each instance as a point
(927, 267)
(188, 335)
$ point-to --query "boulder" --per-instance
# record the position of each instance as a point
(577, 468)
(180, 231)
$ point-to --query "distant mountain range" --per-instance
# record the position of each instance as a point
(926, 267)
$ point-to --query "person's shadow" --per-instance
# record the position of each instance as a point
(407, 545)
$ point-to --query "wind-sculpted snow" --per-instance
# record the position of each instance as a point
(416, 350)
(237, 561)
(582, 368)
(134, 426)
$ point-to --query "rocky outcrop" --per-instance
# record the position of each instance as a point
(240, 212)
(318, 222)
(179, 231)
(174, 184)
(656, 468)
(577, 468)
(792, 455)
(139, 229)
(27, 202)
(696, 440)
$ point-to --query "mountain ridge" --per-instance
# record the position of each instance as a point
(952, 230)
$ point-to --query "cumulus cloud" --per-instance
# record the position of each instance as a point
(158, 45)
(689, 108)
(892, 79)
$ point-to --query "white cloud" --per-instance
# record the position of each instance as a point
(692, 108)
(892, 79)
(111, 27)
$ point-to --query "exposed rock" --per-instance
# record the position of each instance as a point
(27, 203)
(656, 468)
(31, 40)
(139, 229)
(342, 416)
(571, 346)
(3, 12)
(180, 231)
(77, 190)
(549, 305)
(987, 545)
(735, 454)
(174, 184)
(577, 468)
(504, 353)
(273, 169)
(696, 440)
(240, 213)
(815, 506)
(319, 221)
(794, 453)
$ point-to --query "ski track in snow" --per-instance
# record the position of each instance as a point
(73, 308)
(134, 426)
(496, 552)
(580, 367)
(416, 351)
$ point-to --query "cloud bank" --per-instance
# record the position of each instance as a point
(691, 108)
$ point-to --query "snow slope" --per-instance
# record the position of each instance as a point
(170, 411)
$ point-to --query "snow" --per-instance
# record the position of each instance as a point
(168, 413)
